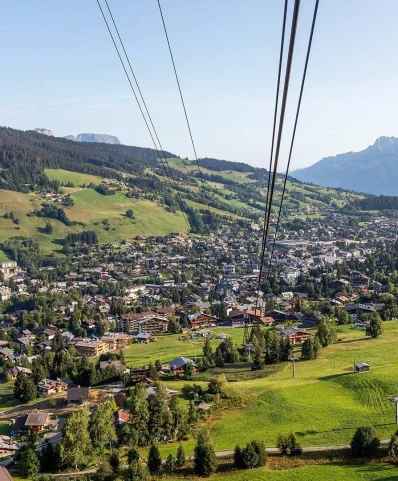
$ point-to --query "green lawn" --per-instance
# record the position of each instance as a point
(168, 347)
(328, 472)
(324, 404)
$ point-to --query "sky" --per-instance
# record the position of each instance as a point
(59, 71)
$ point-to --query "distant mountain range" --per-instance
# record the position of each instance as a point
(373, 170)
(104, 138)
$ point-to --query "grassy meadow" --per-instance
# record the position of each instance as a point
(327, 472)
(323, 405)
(91, 208)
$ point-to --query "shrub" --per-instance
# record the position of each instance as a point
(251, 456)
(365, 442)
(288, 444)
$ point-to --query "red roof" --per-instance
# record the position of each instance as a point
(123, 416)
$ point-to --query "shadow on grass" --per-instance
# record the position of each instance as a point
(58, 242)
(334, 376)
(333, 430)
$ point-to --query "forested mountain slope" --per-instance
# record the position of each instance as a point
(51, 186)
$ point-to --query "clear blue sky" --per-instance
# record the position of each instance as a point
(59, 71)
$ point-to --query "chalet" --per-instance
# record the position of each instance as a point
(18, 369)
(237, 317)
(199, 320)
(356, 311)
(7, 353)
(143, 338)
(166, 311)
(177, 365)
(77, 395)
(278, 316)
(117, 365)
(50, 334)
(295, 335)
(361, 367)
(46, 387)
(138, 375)
(35, 421)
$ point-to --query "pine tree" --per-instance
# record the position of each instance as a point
(208, 351)
(180, 457)
(170, 465)
(154, 459)
(140, 415)
(28, 464)
(205, 461)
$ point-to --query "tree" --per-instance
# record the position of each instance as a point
(342, 316)
(288, 444)
(136, 472)
(48, 229)
(188, 370)
(140, 414)
(258, 353)
(251, 456)
(208, 351)
(75, 446)
(28, 464)
(326, 332)
(130, 214)
(375, 324)
(365, 442)
(24, 388)
(273, 347)
(133, 455)
(102, 427)
(173, 327)
(154, 459)
(170, 464)
(217, 385)
(310, 348)
(393, 446)
(205, 461)
(156, 409)
(180, 457)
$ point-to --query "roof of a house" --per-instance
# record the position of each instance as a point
(36, 419)
(180, 362)
(76, 393)
(5, 475)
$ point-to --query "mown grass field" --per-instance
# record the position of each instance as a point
(323, 405)
(331, 472)
(168, 347)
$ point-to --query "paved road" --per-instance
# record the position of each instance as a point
(306, 449)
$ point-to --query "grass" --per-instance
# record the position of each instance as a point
(90, 208)
(75, 177)
(329, 472)
(324, 404)
(168, 347)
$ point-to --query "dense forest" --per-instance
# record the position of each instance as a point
(24, 155)
(379, 202)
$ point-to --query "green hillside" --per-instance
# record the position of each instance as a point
(231, 190)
